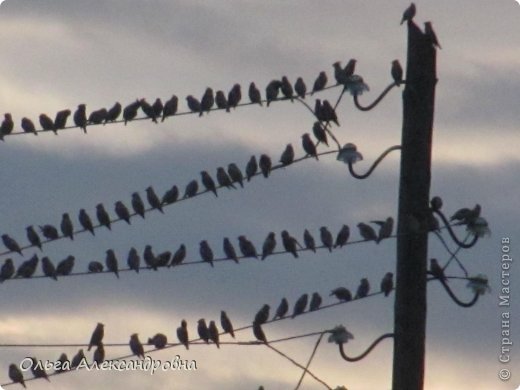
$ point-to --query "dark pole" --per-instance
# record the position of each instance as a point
(412, 229)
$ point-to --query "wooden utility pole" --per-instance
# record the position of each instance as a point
(412, 229)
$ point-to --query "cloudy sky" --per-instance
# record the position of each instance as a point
(57, 54)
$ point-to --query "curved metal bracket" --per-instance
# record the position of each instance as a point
(457, 300)
(452, 233)
(376, 102)
(374, 165)
(364, 354)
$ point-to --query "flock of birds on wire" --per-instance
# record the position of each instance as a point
(246, 249)
(207, 332)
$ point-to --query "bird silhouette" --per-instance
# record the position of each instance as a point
(205, 252)
(251, 168)
(342, 293)
(193, 103)
(80, 117)
(339, 73)
(66, 227)
(137, 204)
(436, 270)
(282, 309)
(130, 111)
(171, 195)
(47, 123)
(315, 302)
(308, 146)
(114, 112)
(163, 259)
(308, 240)
(319, 132)
(97, 117)
(85, 221)
(320, 82)
(300, 88)
(27, 126)
(207, 101)
(262, 315)
(27, 268)
(326, 238)
(259, 333)
(38, 370)
(202, 330)
(16, 375)
(149, 257)
(157, 107)
(246, 247)
(287, 156)
(300, 305)
(122, 211)
(7, 126)
(49, 232)
(208, 182)
(135, 346)
(102, 216)
(133, 259)
(342, 236)
(11, 244)
(62, 364)
(226, 324)
(159, 340)
(234, 96)
(179, 255)
(48, 268)
(363, 289)
(99, 354)
(229, 250)
(254, 94)
(367, 232)
(223, 179)
(397, 72)
(265, 164)
(65, 266)
(387, 283)
(221, 101)
(97, 336)
(272, 90)
(33, 237)
(60, 121)
(408, 14)
(153, 199)
(213, 333)
(235, 174)
(328, 113)
(290, 243)
(7, 270)
(385, 229)
(287, 88)
(349, 68)
(77, 359)
(269, 245)
(111, 262)
(95, 267)
(170, 107)
(182, 334)
(148, 110)
(191, 189)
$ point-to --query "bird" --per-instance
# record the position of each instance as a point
(135, 346)
(149, 257)
(385, 229)
(363, 289)
(157, 107)
(153, 199)
(111, 262)
(328, 113)
(308, 240)
(62, 364)
(287, 156)
(251, 168)
(300, 88)
(7, 125)
(102, 216)
(67, 229)
(38, 370)
(282, 309)
(235, 174)
(80, 117)
(170, 107)
(11, 244)
(408, 14)
(397, 72)
(326, 238)
(7, 270)
(259, 333)
(208, 182)
(137, 204)
(308, 146)
(387, 283)
(342, 293)
(159, 340)
(179, 256)
(234, 96)
(171, 195)
(254, 94)
(436, 270)
(223, 179)
(95, 267)
(114, 112)
(191, 189)
(320, 82)
(430, 34)
(205, 252)
(213, 333)
(65, 266)
(27, 268)
(49, 232)
(367, 232)
(221, 101)
(16, 375)
(226, 324)
(133, 260)
(97, 336)
(77, 359)
(148, 110)
(27, 126)
(163, 259)
(99, 354)
(265, 164)
(182, 334)
(130, 111)
(202, 330)
(47, 123)
(229, 250)
(349, 68)
(315, 302)
(60, 121)
(85, 221)
(262, 315)
(122, 211)
(207, 101)
(272, 90)
(287, 88)
(342, 237)
(339, 73)
(97, 117)
(269, 245)
(48, 268)
(33, 237)
(318, 112)
(246, 247)
(300, 305)
(320, 133)
(289, 243)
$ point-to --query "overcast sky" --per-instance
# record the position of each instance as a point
(56, 54)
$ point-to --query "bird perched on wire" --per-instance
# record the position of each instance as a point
(163, 258)
(349, 68)
(235, 174)
(191, 189)
(308, 146)
(408, 14)
(159, 340)
(320, 133)
(171, 195)
(122, 211)
(262, 315)
(133, 260)
(95, 267)
(342, 293)
(300, 88)
(251, 168)
(246, 247)
(27, 126)
(179, 256)
(363, 289)
(33, 237)
(229, 250)
(149, 257)
(272, 90)
(11, 244)
(287, 156)
(16, 375)
(48, 268)
(223, 179)
(339, 73)
(254, 94)
(193, 103)
(397, 72)
(102, 216)
(300, 305)
(62, 363)
(182, 334)
(49, 232)
(290, 243)
(387, 283)
(221, 101)
(85, 221)
(202, 330)
(135, 346)
(308, 240)
(315, 302)
(80, 117)
(328, 113)
(157, 107)
(97, 117)
(153, 199)
(430, 34)
(282, 309)
(170, 107)
(342, 237)
(47, 123)
(67, 229)
(130, 111)
(226, 324)
(234, 96)
(367, 232)
(38, 370)
(213, 333)
(287, 89)
(259, 333)
(385, 229)
(7, 270)
(268, 245)
(97, 336)
(114, 112)
(320, 82)
(208, 182)
(65, 266)
(148, 110)
(207, 101)
(205, 252)
(99, 354)
(77, 359)
(436, 270)
(60, 121)
(467, 216)
(137, 204)
(27, 268)
(326, 238)
(265, 164)
(111, 262)
(7, 126)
